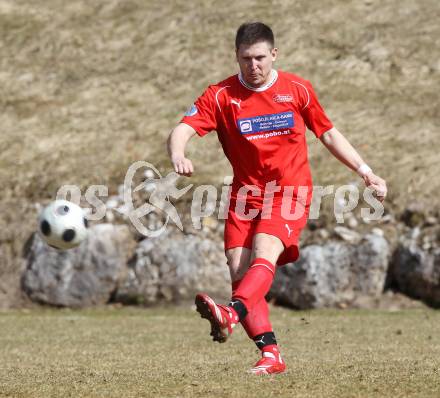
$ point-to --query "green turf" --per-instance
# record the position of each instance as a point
(133, 352)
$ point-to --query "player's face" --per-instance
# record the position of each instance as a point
(255, 62)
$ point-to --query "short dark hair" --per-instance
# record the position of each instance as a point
(250, 33)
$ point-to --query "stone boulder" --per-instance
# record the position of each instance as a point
(173, 268)
(334, 274)
(416, 273)
(84, 276)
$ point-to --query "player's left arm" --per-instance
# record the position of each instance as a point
(339, 146)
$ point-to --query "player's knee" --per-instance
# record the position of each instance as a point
(234, 268)
(238, 262)
(236, 275)
(267, 247)
(264, 246)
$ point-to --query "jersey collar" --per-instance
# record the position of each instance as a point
(273, 79)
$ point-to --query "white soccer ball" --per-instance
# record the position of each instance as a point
(62, 225)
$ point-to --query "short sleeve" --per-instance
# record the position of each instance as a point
(202, 115)
(312, 112)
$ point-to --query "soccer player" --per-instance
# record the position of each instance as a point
(261, 115)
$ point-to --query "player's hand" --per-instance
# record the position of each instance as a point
(378, 184)
(182, 166)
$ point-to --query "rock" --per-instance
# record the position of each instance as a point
(377, 231)
(333, 275)
(173, 268)
(387, 218)
(323, 234)
(416, 273)
(370, 265)
(149, 174)
(431, 221)
(220, 228)
(347, 234)
(112, 202)
(415, 233)
(414, 215)
(109, 216)
(210, 223)
(352, 222)
(426, 246)
(80, 277)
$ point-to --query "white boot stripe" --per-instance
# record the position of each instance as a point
(267, 354)
(218, 313)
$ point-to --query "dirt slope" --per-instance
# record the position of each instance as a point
(89, 87)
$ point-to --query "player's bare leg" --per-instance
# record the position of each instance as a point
(238, 259)
(266, 246)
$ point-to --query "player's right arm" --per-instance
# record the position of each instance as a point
(176, 144)
(201, 118)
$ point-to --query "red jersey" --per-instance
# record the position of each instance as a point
(262, 130)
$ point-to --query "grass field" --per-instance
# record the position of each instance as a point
(166, 352)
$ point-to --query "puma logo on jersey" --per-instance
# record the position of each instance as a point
(237, 103)
(289, 231)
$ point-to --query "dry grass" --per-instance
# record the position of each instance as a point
(167, 353)
(89, 87)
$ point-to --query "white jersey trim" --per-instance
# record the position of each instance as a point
(307, 91)
(216, 96)
(273, 79)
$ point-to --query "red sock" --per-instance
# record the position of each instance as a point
(257, 320)
(255, 284)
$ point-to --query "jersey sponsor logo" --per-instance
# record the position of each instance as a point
(283, 98)
(274, 121)
(269, 134)
(245, 126)
(191, 111)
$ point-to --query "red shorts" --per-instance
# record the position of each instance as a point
(240, 232)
